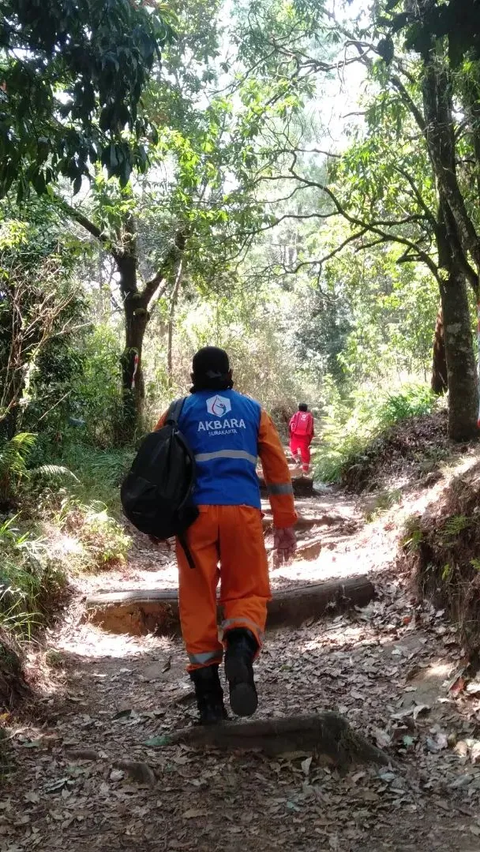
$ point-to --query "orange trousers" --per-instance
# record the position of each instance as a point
(227, 544)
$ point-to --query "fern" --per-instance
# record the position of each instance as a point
(53, 471)
(13, 462)
(455, 525)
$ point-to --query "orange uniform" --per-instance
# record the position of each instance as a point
(227, 543)
(302, 431)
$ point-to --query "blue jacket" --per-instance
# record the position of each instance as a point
(222, 429)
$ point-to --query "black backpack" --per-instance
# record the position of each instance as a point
(157, 492)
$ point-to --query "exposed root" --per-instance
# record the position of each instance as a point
(328, 736)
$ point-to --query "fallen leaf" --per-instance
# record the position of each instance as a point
(386, 775)
(442, 740)
(420, 710)
(381, 738)
(306, 764)
(358, 776)
(432, 745)
(193, 814)
(32, 797)
(54, 786)
(370, 796)
(457, 686)
(461, 748)
(116, 775)
(122, 714)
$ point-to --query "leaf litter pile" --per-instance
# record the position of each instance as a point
(94, 772)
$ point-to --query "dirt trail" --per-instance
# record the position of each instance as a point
(386, 667)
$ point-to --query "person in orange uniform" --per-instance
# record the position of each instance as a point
(226, 431)
(302, 431)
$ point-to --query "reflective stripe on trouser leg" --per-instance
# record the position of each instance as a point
(245, 587)
(209, 658)
(232, 623)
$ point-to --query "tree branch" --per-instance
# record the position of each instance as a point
(82, 220)
(175, 251)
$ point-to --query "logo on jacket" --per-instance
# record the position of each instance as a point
(218, 405)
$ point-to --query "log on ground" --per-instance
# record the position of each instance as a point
(327, 736)
(142, 611)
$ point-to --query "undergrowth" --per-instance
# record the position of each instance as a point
(31, 580)
(5, 754)
(98, 473)
(351, 423)
(61, 516)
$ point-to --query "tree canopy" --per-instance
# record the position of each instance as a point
(72, 76)
(210, 163)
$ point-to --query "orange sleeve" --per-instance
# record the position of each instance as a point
(276, 474)
(161, 422)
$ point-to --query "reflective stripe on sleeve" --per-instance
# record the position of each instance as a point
(226, 454)
(207, 657)
(280, 488)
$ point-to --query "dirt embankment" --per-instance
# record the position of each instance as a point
(410, 452)
(433, 491)
(443, 548)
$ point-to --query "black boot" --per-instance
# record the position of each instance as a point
(241, 649)
(209, 695)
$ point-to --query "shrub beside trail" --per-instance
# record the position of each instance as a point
(356, 429)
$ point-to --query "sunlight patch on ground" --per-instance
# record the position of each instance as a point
(325, 567)
(341, 634)
(92, 642)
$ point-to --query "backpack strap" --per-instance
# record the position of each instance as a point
(183, 542)
(175, 410)
(173, 417)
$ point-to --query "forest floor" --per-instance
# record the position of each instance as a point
(86, 774)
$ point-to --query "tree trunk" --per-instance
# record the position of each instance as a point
(439, 363)
(462, 378)
(455, 238)
(136, 320)
(171, 321)
(437, 90)
(135, 305)
(461, 367)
